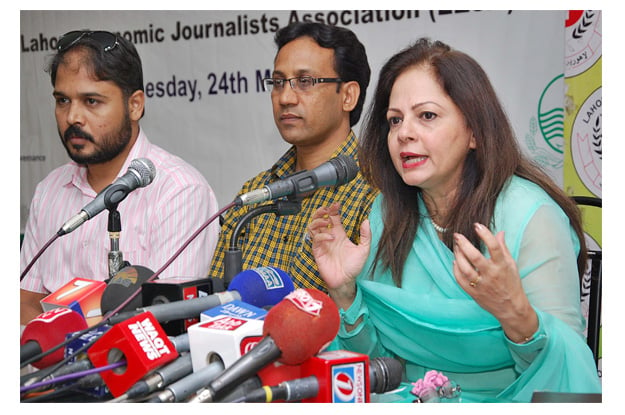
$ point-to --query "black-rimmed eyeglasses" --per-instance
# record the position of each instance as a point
(299, 83)
(105, 39)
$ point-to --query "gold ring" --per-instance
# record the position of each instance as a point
(475, 281)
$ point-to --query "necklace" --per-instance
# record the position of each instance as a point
(438, 227)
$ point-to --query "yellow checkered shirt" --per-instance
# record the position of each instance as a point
(280, 241)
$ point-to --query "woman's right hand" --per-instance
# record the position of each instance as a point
(338, 259)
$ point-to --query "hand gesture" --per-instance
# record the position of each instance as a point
(338, 259)
(495, 283)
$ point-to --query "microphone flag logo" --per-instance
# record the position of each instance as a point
(50, 316)
(349, 383)
(305, 302)
(270, 277)
(225, 323)
(150, 340)
(126, 277)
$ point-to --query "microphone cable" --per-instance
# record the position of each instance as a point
(36, 257)
(50, 394)
(69, 388)
(71, 376)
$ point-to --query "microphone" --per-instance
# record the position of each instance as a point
(155, 380)
(181, 342)
(81, 295)
(334, 377)
(188, 385)
(161, 377)
(121, 286)
(225, 333)
(163, 291)
(295, 329)
(140, 173)
(334, 172)
(141, 341)
(76, 355)
(385, 374)
(46, 331)
(261, 287)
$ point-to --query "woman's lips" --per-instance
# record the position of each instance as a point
(411, 160)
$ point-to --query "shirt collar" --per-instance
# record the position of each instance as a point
(138, 150)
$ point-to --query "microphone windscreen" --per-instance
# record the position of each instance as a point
(387, 373)
(302, 324)
(48, 329)
(262, 287)
(145, 169)
(121, 286)
(346, 168)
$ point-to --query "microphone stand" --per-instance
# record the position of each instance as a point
(115, 258)
(233, 257)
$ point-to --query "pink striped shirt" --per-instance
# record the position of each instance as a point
(156, 221)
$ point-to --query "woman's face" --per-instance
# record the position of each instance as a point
(428, 138)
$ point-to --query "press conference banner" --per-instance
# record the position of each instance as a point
(583, 132)
(203, 71)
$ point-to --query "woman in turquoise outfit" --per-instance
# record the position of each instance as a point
(470, 262)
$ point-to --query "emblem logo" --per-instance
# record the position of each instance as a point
(586, 142)
(583, 40)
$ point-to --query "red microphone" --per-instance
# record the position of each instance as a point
(340, 376)
(46, 331)
(301, 325)
(141, 341)
(81, 295)
(295, 329)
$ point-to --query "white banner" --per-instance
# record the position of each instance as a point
(203, 71)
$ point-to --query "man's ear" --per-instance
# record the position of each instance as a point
(136, 104)
(351, 93)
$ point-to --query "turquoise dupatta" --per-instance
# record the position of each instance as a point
(432, 323)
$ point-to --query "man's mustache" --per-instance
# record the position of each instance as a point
(75, 131)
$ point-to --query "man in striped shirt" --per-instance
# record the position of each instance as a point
(98, 89)
(318, 87)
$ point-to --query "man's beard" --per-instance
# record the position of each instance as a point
(110, 146)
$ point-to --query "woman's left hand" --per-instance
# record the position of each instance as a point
(495, 283)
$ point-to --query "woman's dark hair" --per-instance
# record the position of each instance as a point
(486, 169)
(350, 57)
(120, 64)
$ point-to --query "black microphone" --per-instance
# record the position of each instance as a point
(334, 172)
(140, 173)
(385, 374)
(121, 286)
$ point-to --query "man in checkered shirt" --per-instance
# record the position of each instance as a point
(318, 88)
